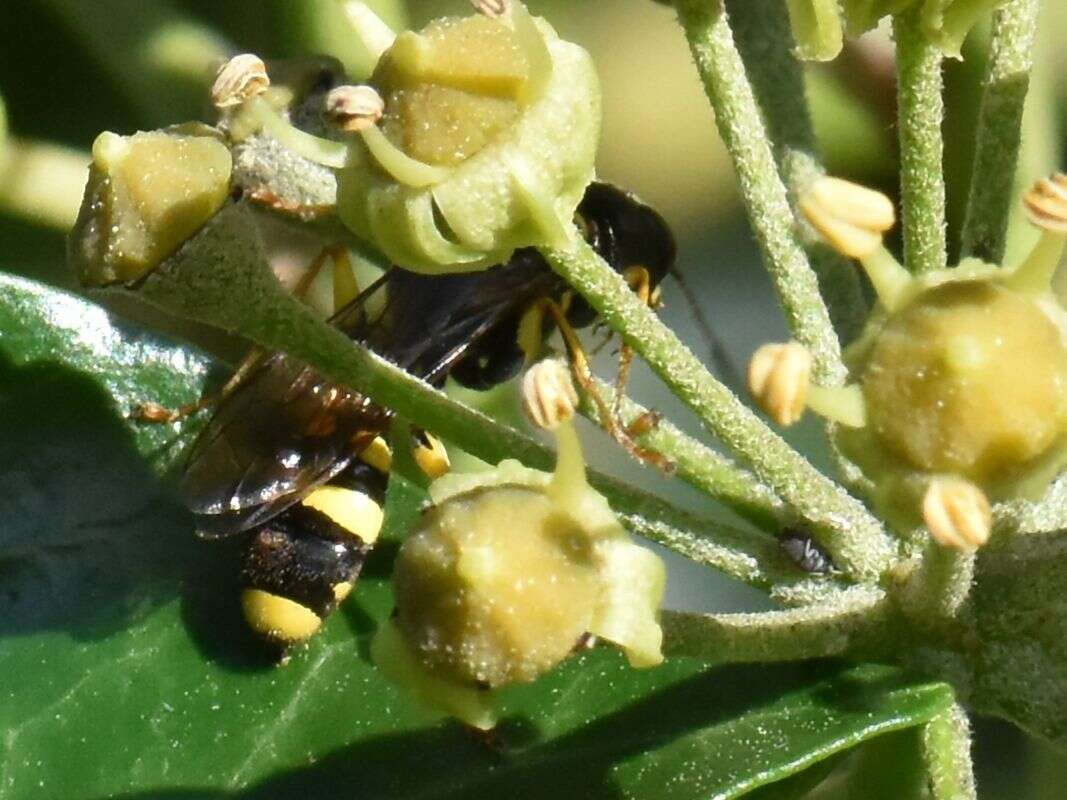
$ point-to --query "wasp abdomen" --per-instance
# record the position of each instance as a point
(303, 562)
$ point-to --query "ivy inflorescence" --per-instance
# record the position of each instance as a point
(947, 410)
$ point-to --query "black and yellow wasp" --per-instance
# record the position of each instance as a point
(298, 464)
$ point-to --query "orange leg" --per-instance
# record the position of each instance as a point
(345, 290)
(584, 376)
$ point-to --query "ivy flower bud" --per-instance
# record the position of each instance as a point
(354, 108)
(816, 28)
(548, 395)
(486, 143)
(957, 514)
(239, 79)
(147, 194)
(778, 377)
(507, 573)
(946, 23)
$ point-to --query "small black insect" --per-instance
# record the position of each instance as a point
(805, 552)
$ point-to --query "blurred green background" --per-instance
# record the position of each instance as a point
(71, 68)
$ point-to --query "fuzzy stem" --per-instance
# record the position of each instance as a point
(1000, 130)
(699, 465)
(755, 559)
(920, 109)
(947, 752)
(856, 540)
(765, 40)
(937, 591)
(42, 182)
(161, 59)
(829, 629)
(740, 124)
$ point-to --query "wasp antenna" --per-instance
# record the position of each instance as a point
(720, 360)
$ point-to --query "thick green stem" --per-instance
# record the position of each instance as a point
(750, 558)
(829, 629)
(1000, 130)
(938, 589)
(857, 541)
(162, 60)
(740, 124)
(699, 465)
(947, 753)
(920, 110)
(765, 40)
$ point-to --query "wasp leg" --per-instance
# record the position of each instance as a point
(584, 375)
(345, 289)
(156, 413)
(306, 212)
(429, 454)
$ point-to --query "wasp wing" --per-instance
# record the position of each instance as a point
(288, 429)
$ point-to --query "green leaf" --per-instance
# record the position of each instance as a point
(126, 667)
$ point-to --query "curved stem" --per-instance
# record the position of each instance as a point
(765, 40)
(829, 629)
(1000, 130)
(920, 109)
(938, 589)
(741, 127)
(699, 465)
(946, 742)
(856, 540)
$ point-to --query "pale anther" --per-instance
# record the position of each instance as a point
(491, 8)
(851, 218)
(957, 514)
(1046, 203)
(778, 377)
(548, 395)
(239, 80)
(354, 108)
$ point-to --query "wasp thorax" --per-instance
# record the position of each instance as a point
(969, 378)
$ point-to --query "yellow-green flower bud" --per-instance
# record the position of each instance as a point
(486, 144)
(508, 571)
(945, 22)
(816, 28)
(146, 195)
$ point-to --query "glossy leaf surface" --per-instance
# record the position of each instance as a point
(125, 666)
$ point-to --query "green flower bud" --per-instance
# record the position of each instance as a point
(146, 195)
(817, 23)
(816, 28)
(508, 571)
(486, 144)
(945, 22)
